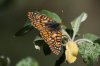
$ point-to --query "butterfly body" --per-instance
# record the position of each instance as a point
(49, 30)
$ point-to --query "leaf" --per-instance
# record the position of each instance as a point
(46, 49)
(76, 23)
(97, 41)
(61, 59)
(89, 52)
(27, 62)
(38, 41)
(37, 38)
(28, 23)
(4, 61)
(52, 15)
(25, 30)
(90, 36)
(70, 32)
(37, 47)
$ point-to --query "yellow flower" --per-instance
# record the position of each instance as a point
(71, 52)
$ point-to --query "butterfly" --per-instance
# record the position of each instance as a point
(49, 29)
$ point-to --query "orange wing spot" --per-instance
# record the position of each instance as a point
(59, 34)
(57, 45)
(50, 45)
(54, 35)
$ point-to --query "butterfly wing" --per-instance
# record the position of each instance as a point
(38, 20)
(48, 32)
(53, 39)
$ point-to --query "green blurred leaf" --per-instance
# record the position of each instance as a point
(38, 41)
(90, 36)
(61, 58)
(4, 61)
(27, 62)
(46, 49)
(97, 41)
(52, 15)
(70, 32)
(89, 52)
(37, 38)
(76, 23)
(24, 30)
(28, 23)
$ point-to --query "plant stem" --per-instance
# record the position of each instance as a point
(66, 34)
(83, 40)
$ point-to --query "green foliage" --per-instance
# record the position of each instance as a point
(27, 62)
(23, 31)
(4, 61)
(76, 23)
(90, 36)
(89, 52)
(38, 41)
(28, 22)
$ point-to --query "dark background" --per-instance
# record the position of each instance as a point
(13, 14)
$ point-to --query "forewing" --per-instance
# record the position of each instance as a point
(38, 20)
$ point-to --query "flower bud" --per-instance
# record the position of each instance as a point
(71, 51)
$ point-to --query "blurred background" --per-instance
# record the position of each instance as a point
(13, 15)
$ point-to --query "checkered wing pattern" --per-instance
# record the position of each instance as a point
(38, 20)
(52, 37)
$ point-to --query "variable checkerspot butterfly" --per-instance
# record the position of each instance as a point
(49, 29)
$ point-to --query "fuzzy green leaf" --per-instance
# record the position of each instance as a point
(38, 41)
(4, 61)
(76, 23)
(89, 52)
(52, 15)
(90, 36)
(24, 30)
(37, 38)
(28, 22)
(27, 62)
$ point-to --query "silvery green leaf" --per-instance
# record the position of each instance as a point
(4, 61)
(37, 47)
(25, 30)
(37, 38)
(90, 36)
(38, 41)
(76, 23)
(63, 27)
(27, 62)
(28, 22)
(89, 52)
